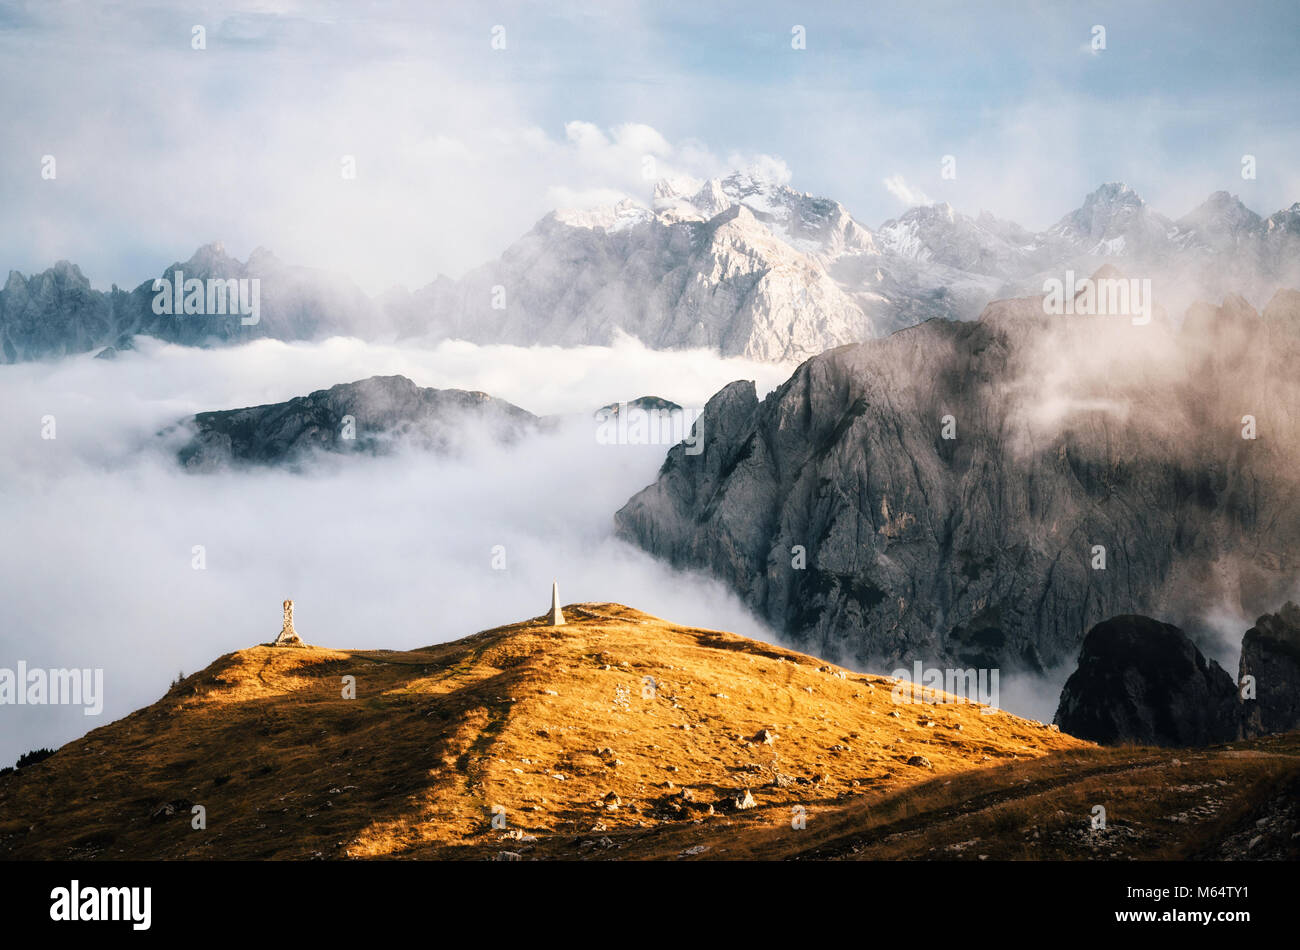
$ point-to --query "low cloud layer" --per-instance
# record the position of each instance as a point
(392, 552)
(101, 524)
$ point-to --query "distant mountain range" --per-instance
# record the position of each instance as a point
(741, 265)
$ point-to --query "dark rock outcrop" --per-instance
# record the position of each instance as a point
(944, 493)
(375, 416)
(644, 403)
(1144, 682)
(1270, 652)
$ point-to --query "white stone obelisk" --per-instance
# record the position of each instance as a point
(288, 636)
(556, 617)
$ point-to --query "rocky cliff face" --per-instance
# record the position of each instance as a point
(375, 415)
(985, 492)
(1141, 681)
(1270, 652)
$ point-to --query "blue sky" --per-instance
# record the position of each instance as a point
(459, 147)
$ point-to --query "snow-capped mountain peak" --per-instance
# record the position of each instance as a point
(937, 233)
(622, 214)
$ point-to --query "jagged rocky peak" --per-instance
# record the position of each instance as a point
(624, 213)
(68, 271)
(938, 233)
(61, 273)
(1142, 681)
(213, 260)
(810, 224)
(908, 235)
(1112, 220)
(1221, 219)
(691, 199)
(378, 415)
(52, 313)
(735, 282)
(1285, 221)
(713, 195)
(210, 260)
(1109, 201)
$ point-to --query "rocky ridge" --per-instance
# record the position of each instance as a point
(375, 416)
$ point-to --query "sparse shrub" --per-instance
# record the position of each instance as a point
(1009, 819)
(31, 758)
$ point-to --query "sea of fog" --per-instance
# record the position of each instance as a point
(97, 564)
(100, 524)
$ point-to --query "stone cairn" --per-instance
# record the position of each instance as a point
(556, 616)
(288, 636)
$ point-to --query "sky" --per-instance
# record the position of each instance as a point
(460, 147)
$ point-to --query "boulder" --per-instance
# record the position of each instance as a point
(1144, 682)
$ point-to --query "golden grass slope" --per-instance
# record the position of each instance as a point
(619, 735)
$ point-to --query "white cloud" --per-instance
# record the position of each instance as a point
(586, 137)
(765, 167)
(642, 139)
(910, 197)
(564, 198)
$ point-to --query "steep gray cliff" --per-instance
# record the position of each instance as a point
(1094, 468)
(1270, 652)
